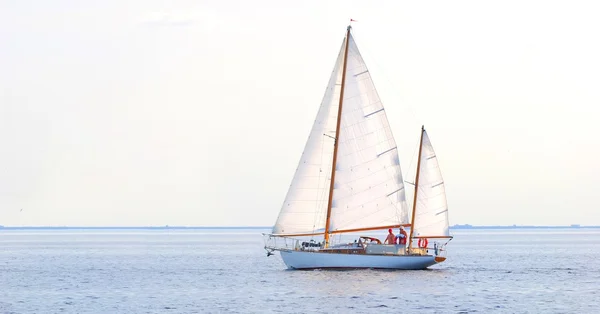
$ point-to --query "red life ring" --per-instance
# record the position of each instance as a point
(423, 243)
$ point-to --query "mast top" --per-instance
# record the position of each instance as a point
(350, 24)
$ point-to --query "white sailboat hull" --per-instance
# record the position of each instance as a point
(312, 260)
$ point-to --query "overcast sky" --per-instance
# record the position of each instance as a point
(196, 112)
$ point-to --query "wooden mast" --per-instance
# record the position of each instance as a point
(337, 135)
(412, 222)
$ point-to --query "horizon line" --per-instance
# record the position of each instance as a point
(456, 226)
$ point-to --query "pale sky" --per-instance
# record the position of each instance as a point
(196, 112)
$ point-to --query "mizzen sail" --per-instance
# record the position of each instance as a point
(431, 211)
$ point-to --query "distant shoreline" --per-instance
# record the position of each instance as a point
(455, 227)
(461, 227)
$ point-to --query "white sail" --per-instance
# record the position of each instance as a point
(431, 212)
(369, 189)
(305, 205)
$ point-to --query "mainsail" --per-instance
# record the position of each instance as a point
(431, 211)
(368, 189)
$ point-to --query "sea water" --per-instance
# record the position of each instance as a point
(227, 271)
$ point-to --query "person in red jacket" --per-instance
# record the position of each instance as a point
(402, 236)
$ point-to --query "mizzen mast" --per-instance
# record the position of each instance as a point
(337, 135)
(412, 222)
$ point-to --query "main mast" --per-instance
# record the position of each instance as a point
(337, 135)
(412, 222)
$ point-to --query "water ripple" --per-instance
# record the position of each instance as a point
(204, 272)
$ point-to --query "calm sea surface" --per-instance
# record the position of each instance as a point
(227, 271)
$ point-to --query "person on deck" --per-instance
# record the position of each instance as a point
(402, 236)
(391, 238)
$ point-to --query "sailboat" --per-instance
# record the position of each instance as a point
(349, 182)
